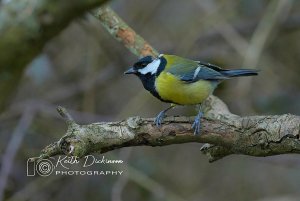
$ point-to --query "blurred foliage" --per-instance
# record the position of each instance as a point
(82, 69)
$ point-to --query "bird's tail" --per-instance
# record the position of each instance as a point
(239, 72)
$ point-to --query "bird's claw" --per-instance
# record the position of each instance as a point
(159, 118)
(197, 124)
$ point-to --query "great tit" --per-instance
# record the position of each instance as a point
(181, 81)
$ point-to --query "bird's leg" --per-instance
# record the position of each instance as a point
(197, 122)
(160, 117)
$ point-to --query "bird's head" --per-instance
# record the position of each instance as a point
(146, 67)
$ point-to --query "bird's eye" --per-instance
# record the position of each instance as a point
(143, 64)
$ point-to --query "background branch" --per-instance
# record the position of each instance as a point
(13, 147)
(123, 33)
(29, 25)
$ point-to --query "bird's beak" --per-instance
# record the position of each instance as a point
(130, 71)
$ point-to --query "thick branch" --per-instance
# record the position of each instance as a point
(25, 27)
(254, 136)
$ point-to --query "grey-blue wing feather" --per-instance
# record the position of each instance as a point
(203, 73)
(209, 65)
(193, 72)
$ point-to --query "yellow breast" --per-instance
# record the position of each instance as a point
(172, 89)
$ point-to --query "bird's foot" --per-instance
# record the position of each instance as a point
(197, 123)
(159, 118)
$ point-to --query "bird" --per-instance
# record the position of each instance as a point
(181, 81)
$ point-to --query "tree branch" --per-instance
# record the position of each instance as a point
(229, 133)
(123, 33)
(25, 28)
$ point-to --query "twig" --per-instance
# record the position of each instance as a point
(119, 185)
(226, 30)
(32, 188)
(43, 107)
(13, 146)
(264, 29)
(259, 39)
(159, 191)
(103, 76)
(65, 115)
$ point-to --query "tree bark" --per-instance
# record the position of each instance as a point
(229, 134)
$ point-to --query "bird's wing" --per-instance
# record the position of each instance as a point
(192, 71)
(209, 65)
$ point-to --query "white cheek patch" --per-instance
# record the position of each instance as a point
(150, 68)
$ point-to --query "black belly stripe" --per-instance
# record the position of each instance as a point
(149, 84)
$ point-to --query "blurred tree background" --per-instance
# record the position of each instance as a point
(82, 70)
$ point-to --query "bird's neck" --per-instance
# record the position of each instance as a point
(149, 84)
